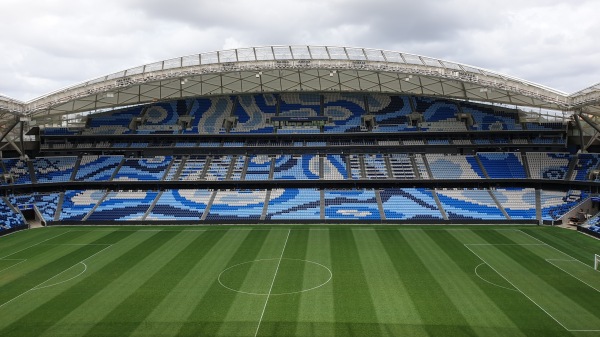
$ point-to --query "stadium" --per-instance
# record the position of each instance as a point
(301, 191)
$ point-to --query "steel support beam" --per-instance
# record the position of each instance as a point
(9, 130)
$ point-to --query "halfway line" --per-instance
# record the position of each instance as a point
(272, 283)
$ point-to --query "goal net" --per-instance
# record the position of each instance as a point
(596, 261)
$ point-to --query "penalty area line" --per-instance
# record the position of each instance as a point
(40, 285)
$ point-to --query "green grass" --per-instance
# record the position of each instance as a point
(299, 281)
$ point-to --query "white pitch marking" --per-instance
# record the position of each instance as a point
(272, 283)
(39, 286)
(16, 264)
(494, 284)
(582, 281)
(278, 294)
(558, 250)
(18, 251)
(529, 298)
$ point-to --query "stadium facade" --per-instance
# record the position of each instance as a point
(300, 134)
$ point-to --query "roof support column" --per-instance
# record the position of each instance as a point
(594, 126)
(9, 129)
(578, 123)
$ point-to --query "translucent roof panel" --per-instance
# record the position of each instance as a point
(374, 55)
(356, 54)
(172, 63)
(135, 71)
(188, 61)
(227, 56)
(451, 65)
(412, 59)
(264, 53)
(337, 53)
(246, 54)
(319, 53)
(431, 62)
(209, 58)
(391, 56)
(282, 53)
(300, 52)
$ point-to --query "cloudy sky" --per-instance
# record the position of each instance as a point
(50, 44)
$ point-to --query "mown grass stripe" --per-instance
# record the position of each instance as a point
(43, 262)
(478, 310)
(315, 312)
(553, 291)
(101, 304)
(170, 314)
(572, 243)
(393, 304)
(210, 312)
(523, 314)
(248, 309)
(52, 311)
(353, 305)
(440, 316)
(154, 290)
(281, 315)
(9, 244)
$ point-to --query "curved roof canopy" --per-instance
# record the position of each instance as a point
(300, 68)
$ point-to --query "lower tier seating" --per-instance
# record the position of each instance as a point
(293, 204)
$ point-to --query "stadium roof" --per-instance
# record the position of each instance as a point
(299, 69)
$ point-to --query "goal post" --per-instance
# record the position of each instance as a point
(596, 261)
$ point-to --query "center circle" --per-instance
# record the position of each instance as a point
(257, 277)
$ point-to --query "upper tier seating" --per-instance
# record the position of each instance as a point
(180, 205)
(519, 203)
(390, 111)
(445, 166)
(219, 166)
(112, 123)
(252, 112)
(299, 105)
(344, 112)
(421, 167)
(409, 204)
(209, 118)
(351, 204)
(294, 204)
(334, 167)
(163, 117)
(237, 205)
(123, 205)
(502, 165)
(97, 168)
(149, 169)
(193, 168)
(548, 165)
(586, 162)
(375, 167)
(435, 109)
(258, 168)
(54, 169)
(469, 204)
(296, 168)
(401, 166)
(18, 169)
(488, 118)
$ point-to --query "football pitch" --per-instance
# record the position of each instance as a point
(299, 281)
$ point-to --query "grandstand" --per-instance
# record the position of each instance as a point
(303, 152)
(300, 136)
